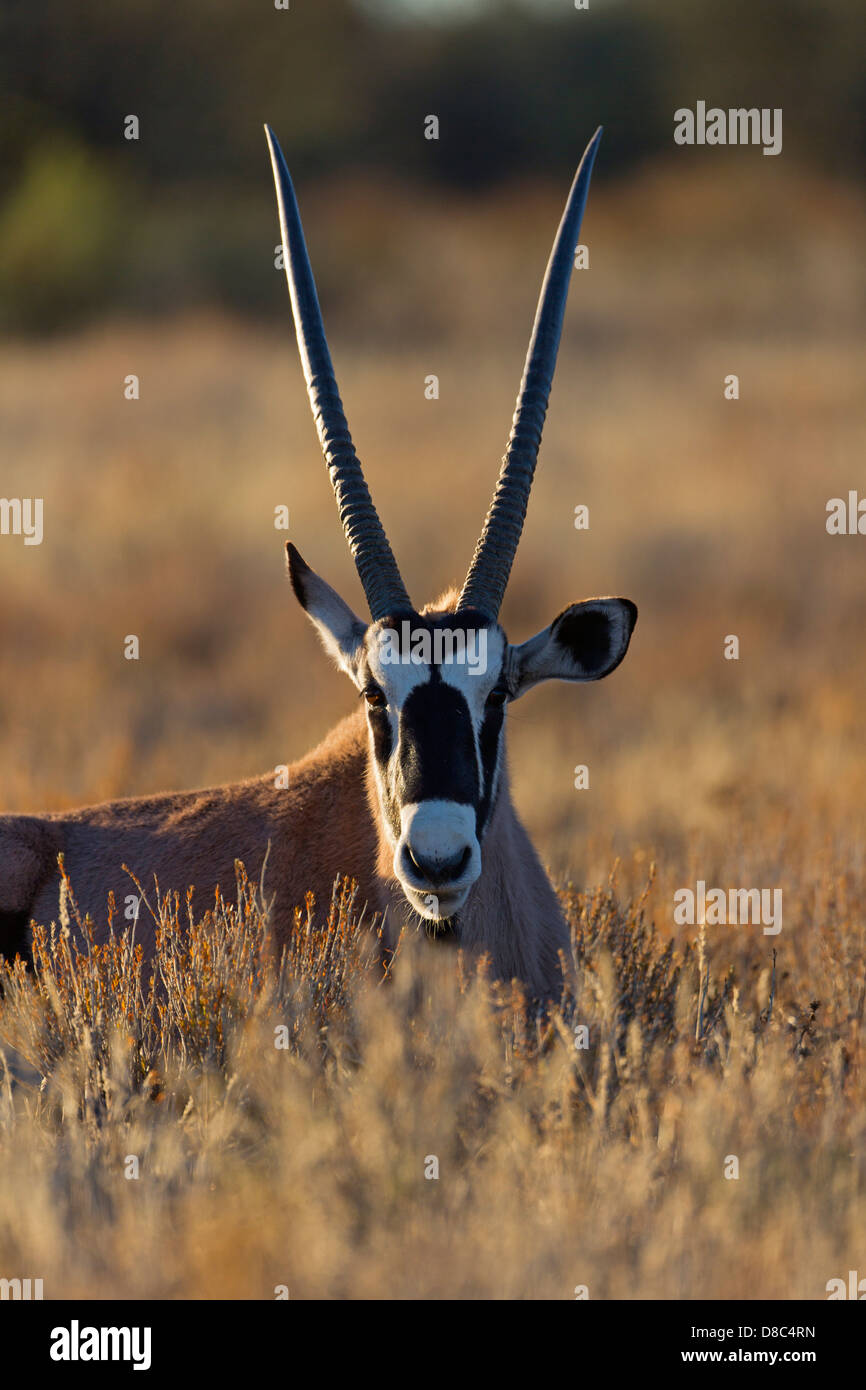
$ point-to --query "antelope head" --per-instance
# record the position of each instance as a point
(436, 682)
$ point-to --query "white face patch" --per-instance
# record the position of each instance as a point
(475, 681)
(473, 673)
(396, 678)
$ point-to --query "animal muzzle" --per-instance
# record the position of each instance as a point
(438, 857)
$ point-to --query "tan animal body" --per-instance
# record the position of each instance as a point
(409, 795)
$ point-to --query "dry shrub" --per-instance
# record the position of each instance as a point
(283, 1113)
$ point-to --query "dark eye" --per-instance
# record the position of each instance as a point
(497, 697)
(374, 697)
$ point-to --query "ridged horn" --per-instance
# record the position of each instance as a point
(496, 548)
(365, 534)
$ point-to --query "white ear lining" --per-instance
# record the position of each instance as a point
(549, 656)
(340, 629)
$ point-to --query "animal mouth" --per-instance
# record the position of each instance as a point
(436, 906)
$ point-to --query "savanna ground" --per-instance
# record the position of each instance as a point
(304, 1165)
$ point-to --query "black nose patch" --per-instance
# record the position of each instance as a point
(437, 747)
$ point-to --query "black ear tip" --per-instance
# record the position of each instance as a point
(631, 612)
(298, 570)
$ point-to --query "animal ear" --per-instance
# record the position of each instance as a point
(587, 641)
(341, 631)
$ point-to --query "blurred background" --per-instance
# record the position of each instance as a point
(92, 222)
(156, 257)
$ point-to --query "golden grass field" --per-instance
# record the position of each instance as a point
(305, 1166)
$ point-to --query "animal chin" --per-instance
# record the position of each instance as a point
(434, 907)
(445, 932)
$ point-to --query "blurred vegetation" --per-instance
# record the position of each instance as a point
(184, 215)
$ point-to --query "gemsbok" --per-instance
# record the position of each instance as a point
(408, 795)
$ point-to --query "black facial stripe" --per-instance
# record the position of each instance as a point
(438, 755)
(437, 758)
(468, 620)
(380, 727)
(488, 739)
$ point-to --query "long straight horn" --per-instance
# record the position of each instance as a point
(495, 551)
(368, 543)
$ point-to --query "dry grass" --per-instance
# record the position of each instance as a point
(283, 1119)
(305, 1166)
